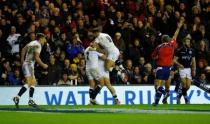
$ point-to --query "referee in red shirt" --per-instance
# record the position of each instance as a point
(163, 56)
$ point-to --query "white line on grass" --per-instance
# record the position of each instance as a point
(107, 110)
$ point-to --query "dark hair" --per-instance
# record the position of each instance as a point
(40, 35)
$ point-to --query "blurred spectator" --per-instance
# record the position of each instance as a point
(82, 73)
(119, 42)
(88, 39)
(148, 76)
(14, 77)
(66, 66)
(203, 79)
(74, 48)
(202, 51)
(74, 75)
(141, 64)
(129, 72)
(63, 41)
(57, 53)
(64, 80)
(202, 64)
(13, 41)
(53, 71)
(61, 59)
(4, 70)
(137, 75)
(136, 51)
(77, 58)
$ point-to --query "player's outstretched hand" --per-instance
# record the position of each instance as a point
(180, 23)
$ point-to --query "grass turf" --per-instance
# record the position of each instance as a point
(15, 117)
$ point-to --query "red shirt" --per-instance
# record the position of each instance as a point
(164, 53)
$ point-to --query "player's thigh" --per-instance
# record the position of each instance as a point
(109, 63)
(107, 82)
(28, 80)
(92, 84)
(168, 83)
(89, 75)
(31, 81)
(188, 83)
(184, 82)
(101, 81)
(28, 70)
(109, 86)
(185, 73)
(95, 74)
(158, 83)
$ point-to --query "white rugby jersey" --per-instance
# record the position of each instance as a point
(101, 68)
(106, 42)
(91, 58)
(33, 46)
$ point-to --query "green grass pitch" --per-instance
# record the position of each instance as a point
(107, 114)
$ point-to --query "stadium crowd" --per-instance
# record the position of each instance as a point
(136, 27)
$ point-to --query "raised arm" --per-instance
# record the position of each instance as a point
(179, 25)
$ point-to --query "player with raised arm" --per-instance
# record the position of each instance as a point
(29, 55)
(163, 56)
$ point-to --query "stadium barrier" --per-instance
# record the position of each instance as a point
(78, 95)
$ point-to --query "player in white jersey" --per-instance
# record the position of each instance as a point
(105, 41)
(105, 76)
(29, 55)
(92, 73)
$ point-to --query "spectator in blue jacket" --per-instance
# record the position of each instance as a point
(74, 48)
(14, 77)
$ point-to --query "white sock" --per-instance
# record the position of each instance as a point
(30, 98)
(25, 85)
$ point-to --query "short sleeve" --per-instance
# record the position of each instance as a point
(38, 48)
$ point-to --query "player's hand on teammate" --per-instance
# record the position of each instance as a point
(45, 66)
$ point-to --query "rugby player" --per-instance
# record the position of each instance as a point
(185, 60)
(29, 55)
(105, 41)
(95, 80)
(163, 56)
(105, 76)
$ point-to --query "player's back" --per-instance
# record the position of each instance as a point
(33, 46)
(165, 54)
(91, 58)
(106, 42)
